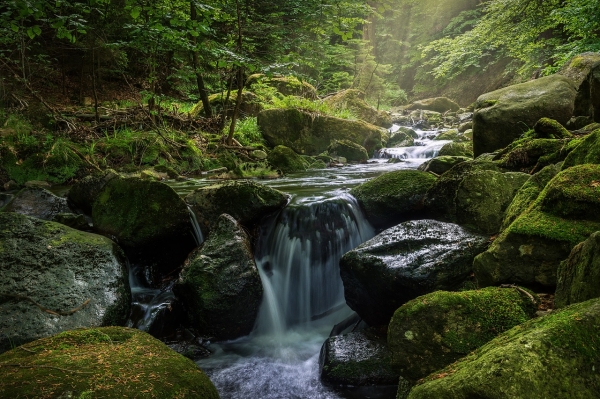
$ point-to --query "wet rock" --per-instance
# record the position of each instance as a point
(434, 330)
(504, 115)
(588, 151)
(219, 285)
(5, 199)
(11, 185)
(555, 356)
(579, 274)
(83, 194)
(408, 260)
(530, 250)
(584, 70)
(453, 135)
(116, 362)
(61, 269)
(438, 104)
(550, 129)
(37, 184)
(531, 155)
(463, 127)
(72, 220)
(356, 359)
(457, 150)
(393, 196)
(286, 160)
(354, 101)
(37, 202)
(308, 134)
(403, 137)
(149, 221)
(246, 201)
(440, 165)
(351, 151)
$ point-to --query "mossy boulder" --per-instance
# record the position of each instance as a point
(250, 105)
(555, 356)
(310, 134)
(530, 250)
(435, 330)
(393, 196)
(107, 362)
(528, 193)
(246, 201)
(354, 101)
(452, 135)
(579, 274)
(411, 259)
(356, 359)
(286, 85)
(403, 137)
(440, 165)
(351, 151)
(38, 203)
(504, 115)
(550, 129)
(588, 151)
(286, 160)
(61, 269)
(464, 149)
(220, 284)
(438, 104)
(149, 219)
(530, 155)
(83, 194)
(584, 70)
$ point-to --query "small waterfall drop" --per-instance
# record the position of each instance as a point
(425, 147)
(195, 227)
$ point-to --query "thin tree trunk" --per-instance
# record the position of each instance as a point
(240, 79)
(195, 64)
(94, 86)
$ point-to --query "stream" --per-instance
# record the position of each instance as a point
(297, 254)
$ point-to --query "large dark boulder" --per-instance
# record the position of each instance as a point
(555, 356)
(149, 220)
(286, 160)
(37, 202)
(310, 134)
(220, 284)
(47, 267)
(530, 250)
(83, 194)
(504, 115)
(393, 196)
(584, 70)
(579, 274)
(435, 330)
(356, 359)
(246, 201)
(405, 261)
(351, 151)
(109, 362)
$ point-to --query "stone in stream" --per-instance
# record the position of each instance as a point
(441, 164)
(579, 275)
(60, 269)
(434, 330)
(83, 194)
(38, 203)
(148, 219)
(357, 359)
(403, 137)
(108, 362)
(530, 250)
(555, 356)
(464, 149)
(504, 115)
(405, 261)
(286, 160)
(246, 201)
(351, 151)
(219, 285)
(393, 197)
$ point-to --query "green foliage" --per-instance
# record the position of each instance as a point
(247, 132)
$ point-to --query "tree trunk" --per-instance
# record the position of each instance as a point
(195, 64)
(240, 79)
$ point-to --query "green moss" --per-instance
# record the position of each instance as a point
(588, 151)
(526, 153)
(351, 151)
(102, 362)
(457, 150)
(550, 128)
(286, 160)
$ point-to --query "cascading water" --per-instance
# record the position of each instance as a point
(425, 148)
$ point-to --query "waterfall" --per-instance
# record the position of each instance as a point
(195, 227)
(298, 259)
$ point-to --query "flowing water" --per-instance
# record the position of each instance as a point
(297, 255)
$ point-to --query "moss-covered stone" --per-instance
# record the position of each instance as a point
(356, 359)
(434, 330)
(452, 135)
(579, 274)
(530, 155)
(393, 196)
(528, 193)
(411, 259)
(504, 115)
(556, 356)
(550, 129)
(83, 194)
(286, 160)
(149, 219)
(220, 283)
(105, 362)
(351, 151)
(529, 251)
(588, 151)
(311, 134)
(286, 85)
(61, 269)
(37, 202)
(438, 104)
(440, 165)
(245, 200)
(354, 100)
(172, 173)
(400, 139)
(584, 70)
(457, 150)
